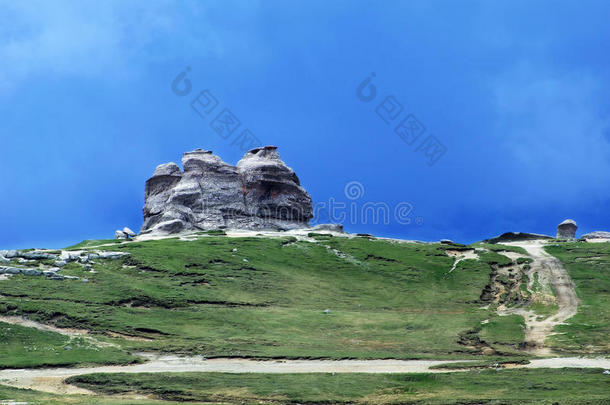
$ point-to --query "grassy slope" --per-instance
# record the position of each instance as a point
(589, 267)
(385, 300)
(22, 347)
(267, 299)
(32, 397)
(506, 386)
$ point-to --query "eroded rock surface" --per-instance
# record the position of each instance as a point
(516, 236)
(37, 259)
(596, 235)
(567, 229)
(328, 227)
(261, 192)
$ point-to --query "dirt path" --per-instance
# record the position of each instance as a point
(554, 279)
(51, 379)
(460, 255)
(18, 320)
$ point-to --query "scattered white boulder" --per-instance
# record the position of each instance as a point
(69, 256)
(15, 270)
(8, 253)
(9, 270)
(61, 259)
(129, 232)
(124, 234)
(112, 255)
(37, 255)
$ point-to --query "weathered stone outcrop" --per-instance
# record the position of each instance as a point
(567, 229)
(516, 236)
(329, 228)
(261, 192)
(34, 258)
(596, 235)
(126, 233)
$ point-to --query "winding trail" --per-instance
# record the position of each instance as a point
(554, 279)
(84, 333)
(52, 379)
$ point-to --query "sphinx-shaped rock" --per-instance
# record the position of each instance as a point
(261, 192)
(271, 190)
(157, 191)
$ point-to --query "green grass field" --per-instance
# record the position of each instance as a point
(475, 387)
(516, 386)
(22, 347)
(9, 395)
(268, 299)
(281, 298)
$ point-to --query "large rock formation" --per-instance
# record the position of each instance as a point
(261, 192)
(567, 229)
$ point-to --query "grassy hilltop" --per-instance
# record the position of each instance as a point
(325, 297)
(267, 297)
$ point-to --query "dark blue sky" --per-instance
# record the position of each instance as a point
(516, 91)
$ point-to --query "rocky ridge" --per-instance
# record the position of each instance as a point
(259, 193)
